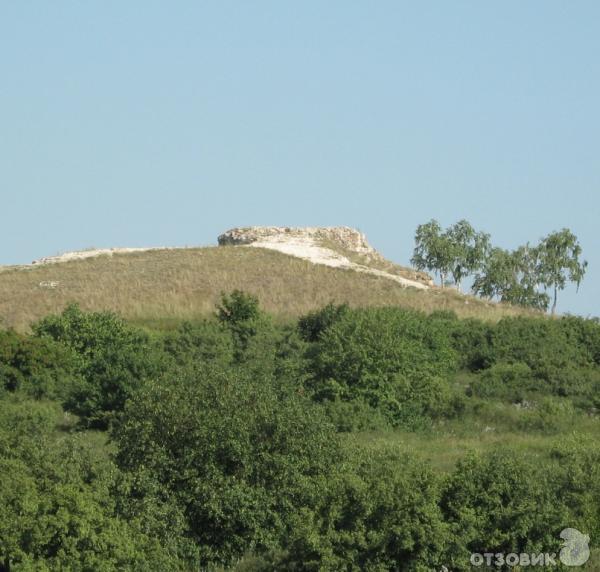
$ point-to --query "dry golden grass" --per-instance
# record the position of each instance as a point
(169, 285)
(377, 262)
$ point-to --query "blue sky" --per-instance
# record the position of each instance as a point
(165, 123)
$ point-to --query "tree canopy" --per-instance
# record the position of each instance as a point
(522, 276)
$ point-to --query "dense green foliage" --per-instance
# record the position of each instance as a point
(458, 251)
(393, 360)
(39, 368)
(501, 503)
(238, 443)
(237, 455)
(513, 277)
(112, 358)
(59, 504)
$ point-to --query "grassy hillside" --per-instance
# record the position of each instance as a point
(165, 286)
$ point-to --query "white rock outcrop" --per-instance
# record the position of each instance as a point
(91, 253)
(344, 236)
(330, 246)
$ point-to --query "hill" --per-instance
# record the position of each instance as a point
(159, 286)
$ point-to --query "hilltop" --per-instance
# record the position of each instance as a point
(338, 247)
(291, 270)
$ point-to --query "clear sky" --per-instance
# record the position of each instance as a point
(146, 123)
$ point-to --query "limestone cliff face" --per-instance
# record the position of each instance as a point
(343, 236)
(338, 246)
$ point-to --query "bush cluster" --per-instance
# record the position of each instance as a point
(232, 446)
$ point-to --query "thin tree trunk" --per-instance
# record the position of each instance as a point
(555, 298)
(442, 279)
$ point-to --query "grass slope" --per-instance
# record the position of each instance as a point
(166, 286)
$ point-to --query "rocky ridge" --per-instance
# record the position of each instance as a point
(339, 247)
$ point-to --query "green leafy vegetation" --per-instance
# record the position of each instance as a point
(112, 358)
(521, 277)
(457, 251)
(347, 439)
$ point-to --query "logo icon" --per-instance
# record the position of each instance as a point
(575, 549)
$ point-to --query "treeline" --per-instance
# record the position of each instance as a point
(523, 276)
(232, 440)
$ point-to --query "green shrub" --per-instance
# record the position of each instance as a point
(508, 381)
(291, 359)
(240, 313)
(58, 503)
(312, 325)
(471, 340)
(355, 415)
(382, 342)
(39, 368)
(561, 357)
(501, 502)
(204, 342)
(114, 360)
(538, 342)
(382, 356)
(238, 454)
(417, 402)
(379, 513)
(584, 333)
(579, 383)
(578, 467)
(523, 355)
(25, 426)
